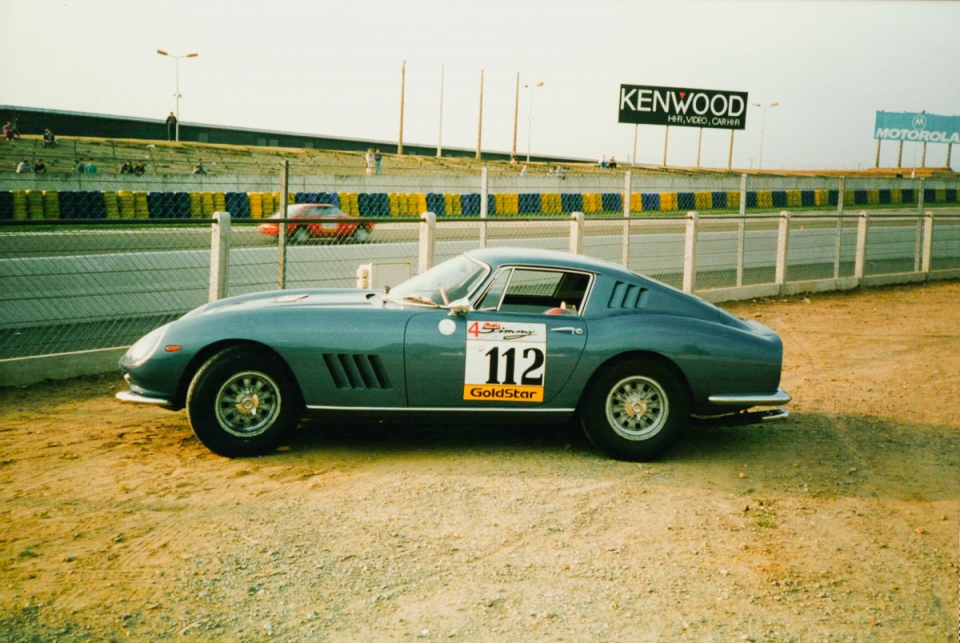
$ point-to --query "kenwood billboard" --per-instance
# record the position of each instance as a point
(647, 105)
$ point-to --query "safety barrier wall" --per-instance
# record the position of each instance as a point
(125, 204)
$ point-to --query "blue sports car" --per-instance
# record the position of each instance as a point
(498, 334)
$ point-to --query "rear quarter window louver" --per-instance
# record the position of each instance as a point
(358, 372)
(629, 296)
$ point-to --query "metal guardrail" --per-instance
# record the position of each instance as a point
(71, 286)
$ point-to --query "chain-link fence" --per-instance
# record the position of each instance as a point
(89, 285)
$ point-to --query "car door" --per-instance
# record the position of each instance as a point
(503, 356)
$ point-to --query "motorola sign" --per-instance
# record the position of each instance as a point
(911, 126)
(648, 105)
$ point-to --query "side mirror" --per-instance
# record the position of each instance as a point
(458, 307)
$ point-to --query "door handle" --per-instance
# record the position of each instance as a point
(568, 329)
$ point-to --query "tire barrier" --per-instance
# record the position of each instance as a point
(127, 204)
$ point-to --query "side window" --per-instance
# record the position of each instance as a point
(539, 291)
(491, 299)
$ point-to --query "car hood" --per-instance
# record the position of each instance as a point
(304, 298)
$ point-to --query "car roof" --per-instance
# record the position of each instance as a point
(548, 258)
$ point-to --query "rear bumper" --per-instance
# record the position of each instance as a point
(751, 399)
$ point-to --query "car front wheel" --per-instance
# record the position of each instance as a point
(635, 410)
(300, 234)
(242, 402)
(361, 234)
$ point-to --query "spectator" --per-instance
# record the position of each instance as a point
(198, 168)
(171, 127)
(523, 171)
(368, 162)
(603, 161)
(377, 158)
(91, 168)
(49, 140)
(549, 171)
(561, 173)
(23, 167)
(613, 163)
(81, 167)
(139, 169)
(126, 168)
(39, 167)
(9, 131)
(513, 159)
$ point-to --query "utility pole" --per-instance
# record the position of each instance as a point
(440, 126)
(403, 80)
(480, 119)
(666, 138)
(516, 111)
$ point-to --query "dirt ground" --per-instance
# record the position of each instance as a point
(839, 524)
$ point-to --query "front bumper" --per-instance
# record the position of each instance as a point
(136, 398)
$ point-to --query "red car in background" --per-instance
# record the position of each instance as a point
(324, 221)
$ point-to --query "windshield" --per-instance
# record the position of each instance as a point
(457, 277)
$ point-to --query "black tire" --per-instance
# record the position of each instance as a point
(635, 410)
(361, 234)
(300, 234)
(243, 377)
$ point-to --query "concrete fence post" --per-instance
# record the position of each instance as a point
(484, 191)
(837, 246)
(861, 261)
(625, 250)
(840, 196)
(783, 243)
(741, 229)
(920, 198)
(925, 263)
(918, 245)
(576, 232)
(219, 255)
(690, 253)
(428, 233)
(281, 230)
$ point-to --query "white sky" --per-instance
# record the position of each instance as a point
(333, 68)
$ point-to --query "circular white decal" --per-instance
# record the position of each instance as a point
(447, 326)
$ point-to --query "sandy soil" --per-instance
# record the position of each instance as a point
(838, 524)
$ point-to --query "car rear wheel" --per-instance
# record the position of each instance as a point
(242, 402)
(635, 410)
(300, 234)
(361, 234)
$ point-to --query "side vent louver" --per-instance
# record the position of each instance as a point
(629, 296)
(358, 372)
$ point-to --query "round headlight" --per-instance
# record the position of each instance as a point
(144, 347)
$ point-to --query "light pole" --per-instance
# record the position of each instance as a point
(530, 115)
(763, 129)
(177, 59)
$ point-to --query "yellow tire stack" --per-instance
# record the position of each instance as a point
(668, 201)
(896, 196)
(453, 204)
(592, 203)
(271, 203)
(941, 195)
(702, 201)
(512, 203)
(140, 209)
(196, 209)
(821, 197)
(395, 209)
(51, 204)
(636, 201)
(764, 199)
(125, 203)
(219, 202)
(34, 204)
(349, 203)
(19, 205)
(551, 204)
(848, 197)
(112, 204)
(873, 197)
(733, 200)
(420, 203)
(794, 200)
(256, 205)
(206, 205)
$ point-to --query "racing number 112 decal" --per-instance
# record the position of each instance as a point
(505, 362)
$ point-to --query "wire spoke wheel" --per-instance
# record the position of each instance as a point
(637, 408)
(248, 404)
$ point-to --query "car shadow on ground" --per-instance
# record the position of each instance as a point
(807, 454)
